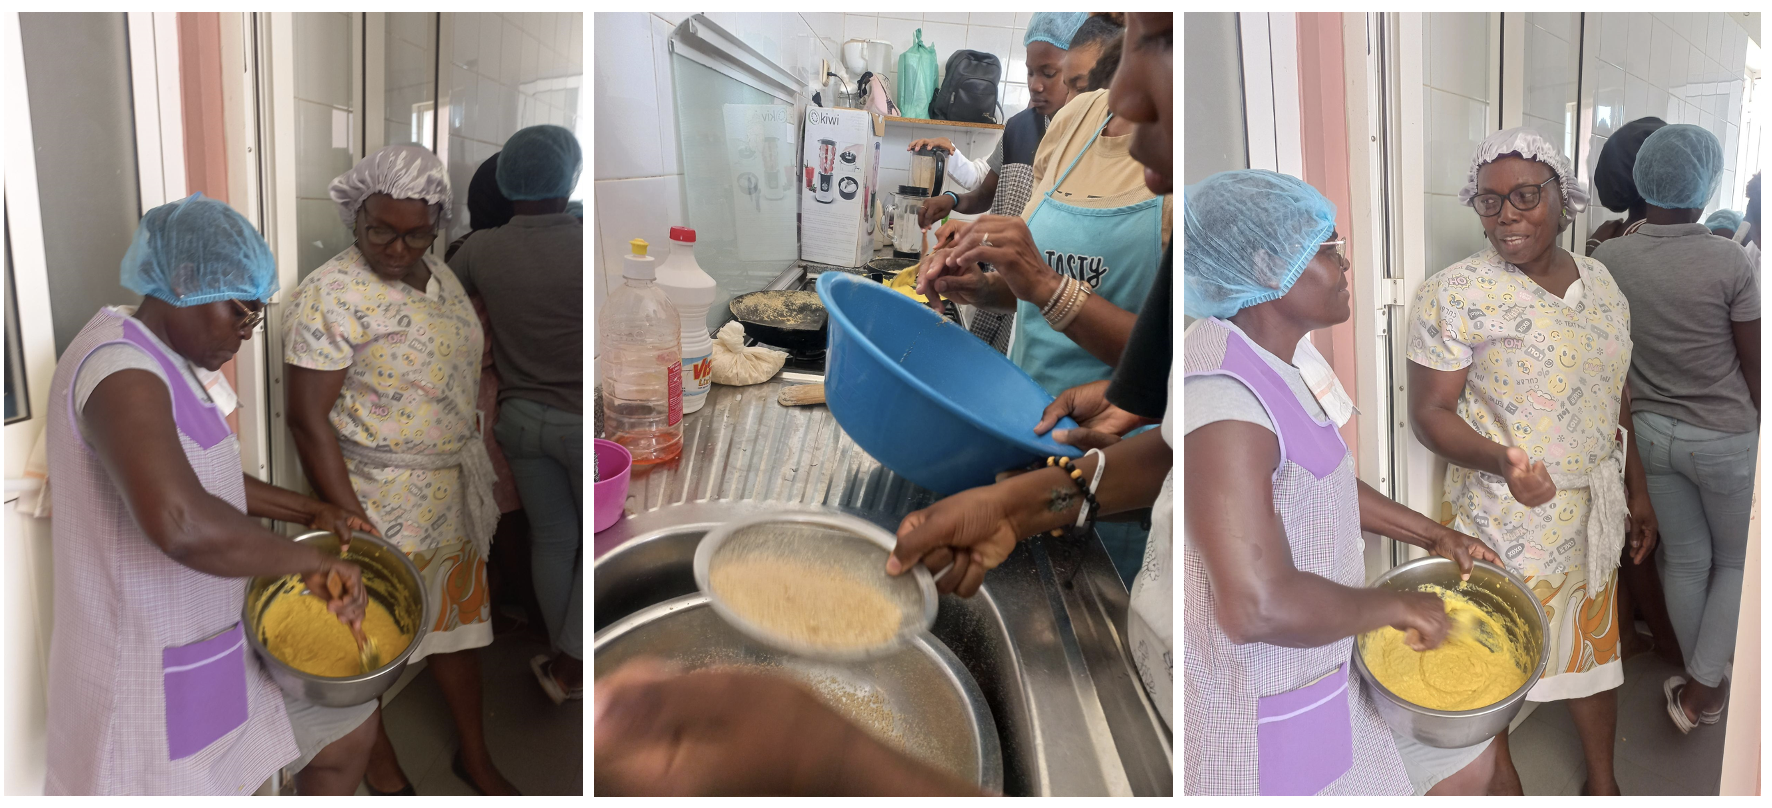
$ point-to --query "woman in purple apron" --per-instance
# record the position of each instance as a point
(1274, 568)
(152, 689)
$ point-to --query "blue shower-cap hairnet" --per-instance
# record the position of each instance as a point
(1249, 234)
(1678, 167)
(540, 162)
(1056, 27)
(1724, 220)
(198, 250)
(404, 171)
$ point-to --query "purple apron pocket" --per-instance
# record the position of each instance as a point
(205, 691)
(1304, 738)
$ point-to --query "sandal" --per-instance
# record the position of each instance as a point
(1713, 716)
(1671, 688)
(543, 667)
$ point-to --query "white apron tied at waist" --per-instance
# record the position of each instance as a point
(1607, 513)
(477, 476)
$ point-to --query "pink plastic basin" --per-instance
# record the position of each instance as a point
(609, 494)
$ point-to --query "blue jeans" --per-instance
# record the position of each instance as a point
(1701, 483)
(545, 448)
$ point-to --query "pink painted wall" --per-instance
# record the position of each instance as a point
(200, 83)
(1323, 129)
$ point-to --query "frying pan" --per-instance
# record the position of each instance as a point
(784, 319)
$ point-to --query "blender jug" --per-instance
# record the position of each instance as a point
(928, 166)
(907, 234)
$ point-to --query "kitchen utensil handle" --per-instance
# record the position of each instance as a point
(801, 395)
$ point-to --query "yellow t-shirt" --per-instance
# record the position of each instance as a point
(1106, 177)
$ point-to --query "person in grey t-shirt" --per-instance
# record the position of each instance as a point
(1695, 396)
(530, 274)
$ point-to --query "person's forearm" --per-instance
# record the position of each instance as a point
(978, 200)
(267, 501)
(211, 537)
(1636, 478)
(1447, 435)
(1386, 517)
(324, 462)
(1308, 611)
(1102, 329)
(1049, 500)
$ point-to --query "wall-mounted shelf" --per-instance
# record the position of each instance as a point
(892, 119)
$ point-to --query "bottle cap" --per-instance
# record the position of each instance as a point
(639, 266)
(683, 234)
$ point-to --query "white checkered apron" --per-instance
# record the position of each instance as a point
(119, 602)
(1223, 680)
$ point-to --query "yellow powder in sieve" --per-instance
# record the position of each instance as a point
(814, 605)
(300, 631)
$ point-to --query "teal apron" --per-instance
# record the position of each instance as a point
(1114, 250)
(1117, 251)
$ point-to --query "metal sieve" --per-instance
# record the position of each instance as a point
(837, 542)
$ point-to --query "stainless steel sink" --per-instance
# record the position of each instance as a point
(1043, 639)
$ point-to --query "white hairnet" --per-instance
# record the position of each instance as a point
(1532, 146)
(405, 171)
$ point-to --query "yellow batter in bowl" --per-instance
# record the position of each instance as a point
(299, 630)
(1463, 673)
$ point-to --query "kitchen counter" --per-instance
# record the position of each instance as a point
(1044, 637)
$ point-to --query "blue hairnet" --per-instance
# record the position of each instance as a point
(198, 250)
(1678, 167)
(1249, 236)
(540, 162)
(1724, 220)
(404, 171)
(1056, 27)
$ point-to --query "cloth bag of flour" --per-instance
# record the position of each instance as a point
(736, 366)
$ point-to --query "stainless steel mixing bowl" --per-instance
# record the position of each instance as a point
(1499, 592)
(923, 700)
(392, 580)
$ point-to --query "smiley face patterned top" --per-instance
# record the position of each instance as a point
(414, 372)
(1544, 376)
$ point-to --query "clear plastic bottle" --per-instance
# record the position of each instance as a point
(692, 291)
(642, 359)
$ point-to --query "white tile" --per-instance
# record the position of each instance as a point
(1614, 35)
(994, 41)
(1453, 232)
(1608, 83)
(1460, 44)
(894, 147)
(956, 17)
(630, 209)
(902, 15)
(1639, 50)
(492, 37)
(860, 26)
(627, 98)
(945, 37)
(1017, 68)
(675, 18)
(576, 56)
(599, 278)
(1001, 19)
(1590, 158)
(1560, 24)
(1455, 125)
(323, 58)
(464, 50)
(1661, 55)
(510, 63)
(1015, 98)
(1713, 35)
(530, 68)
(667, 106)
(1550, 73)
(1697, 67)
(1552, 130)
(825, 24)
(1636, 98)
(1022, 18)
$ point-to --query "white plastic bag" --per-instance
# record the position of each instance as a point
(736, 366)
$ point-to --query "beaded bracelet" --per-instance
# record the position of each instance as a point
(1089, 507)
(1069, 315)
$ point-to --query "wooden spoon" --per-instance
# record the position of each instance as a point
(368, 655)
(800, 395)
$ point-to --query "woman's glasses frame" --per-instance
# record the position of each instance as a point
(1523, 198)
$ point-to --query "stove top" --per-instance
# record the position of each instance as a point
(813, 361)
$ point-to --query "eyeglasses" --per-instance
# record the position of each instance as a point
(1523, 199)
(250, 318)
(1337, 249)
(381, 236)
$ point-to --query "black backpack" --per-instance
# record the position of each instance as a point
(968, 91)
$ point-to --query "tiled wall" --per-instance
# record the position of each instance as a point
(1681, 68)
(1458, 114)
(327, 97)
(638, 173)
(508, 71)
(410, 78)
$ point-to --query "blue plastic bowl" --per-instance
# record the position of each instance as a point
(931, 402)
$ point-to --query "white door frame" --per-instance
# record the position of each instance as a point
(159, 107)
(1270, 92)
